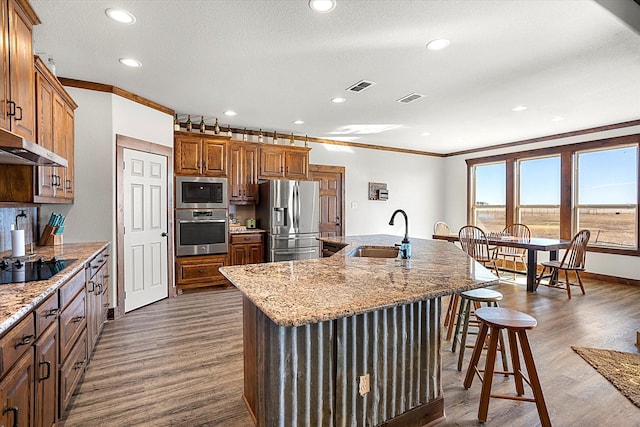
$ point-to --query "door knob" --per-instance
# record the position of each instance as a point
(164, 234)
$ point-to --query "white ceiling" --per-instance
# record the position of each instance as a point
(275, 61)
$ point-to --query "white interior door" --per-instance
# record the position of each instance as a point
(145, 228)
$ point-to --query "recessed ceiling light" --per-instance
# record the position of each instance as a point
(557, 119)
(425, 134)
(322, 6)
(519, 108)
(298, 122)
(338, 100)
(229, 113)
(121, 15)
(438, 44)
(130, 62)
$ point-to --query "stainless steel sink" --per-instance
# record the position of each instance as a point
(375, 251)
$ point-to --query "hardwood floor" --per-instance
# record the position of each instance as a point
(179, 362)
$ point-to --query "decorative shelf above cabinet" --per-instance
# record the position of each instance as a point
(200, 154)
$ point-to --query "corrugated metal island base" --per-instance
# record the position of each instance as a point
(349, 341)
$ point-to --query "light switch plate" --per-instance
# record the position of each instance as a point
(364, 386)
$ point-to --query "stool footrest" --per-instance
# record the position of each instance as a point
(510, 397)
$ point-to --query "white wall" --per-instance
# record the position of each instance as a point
(415, 184)
(455, 202)
(98, 118)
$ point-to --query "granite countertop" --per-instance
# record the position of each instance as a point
(296, 293)
(18, 299)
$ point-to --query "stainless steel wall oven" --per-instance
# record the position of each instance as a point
(201, 231)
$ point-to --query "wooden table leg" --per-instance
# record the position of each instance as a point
(532, 269)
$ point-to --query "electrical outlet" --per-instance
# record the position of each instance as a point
(364, 387)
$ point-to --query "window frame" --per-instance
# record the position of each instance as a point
(567, 183)
(473, 206)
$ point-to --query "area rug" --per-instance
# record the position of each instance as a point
(620, 368)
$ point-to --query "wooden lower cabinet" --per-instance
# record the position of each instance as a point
(200, 271)
(71, 372)
(247, 248)
(46, 377)
(97, 297)
(17, 394)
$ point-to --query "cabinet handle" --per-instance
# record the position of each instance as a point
(281, 169)
(99, 287)
(202, 270)
(93, 289)
(68, 187)
(78, 365)
(77, 319)
(26, 340)
(18, 118)
(11, 111)
(52, 312)
(48, 374)
(15, 414)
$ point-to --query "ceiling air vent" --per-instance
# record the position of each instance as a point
(410, 98)
(360, 86)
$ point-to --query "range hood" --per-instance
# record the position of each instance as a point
(16, 150)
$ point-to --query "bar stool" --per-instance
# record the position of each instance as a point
(452, 309)
(475, 297)
(492, 321)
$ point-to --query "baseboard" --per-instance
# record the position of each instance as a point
(607, 278)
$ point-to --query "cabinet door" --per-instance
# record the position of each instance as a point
(200, 270)
(238, 255)
(188, 155)
(69, 143)
(5, 120)
(46, 372)
(59, 144)
(236, 174)
(255, 253)
(250, 166)
(16, 392)
(215, 158)
(297, 164)
(21, 73)
(272, 162)
(45, 137)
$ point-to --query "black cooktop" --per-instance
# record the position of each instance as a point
(19, 270)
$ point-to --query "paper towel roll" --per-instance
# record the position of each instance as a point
(17, 243)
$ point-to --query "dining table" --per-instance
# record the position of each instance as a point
(532, 245)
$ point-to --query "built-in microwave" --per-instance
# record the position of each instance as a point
(201, 231)
(201, 192)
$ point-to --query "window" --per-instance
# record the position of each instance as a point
(489, 205)
(538, 190)
(606, 196)
(557, 191)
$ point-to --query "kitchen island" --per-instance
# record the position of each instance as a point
(349, 340)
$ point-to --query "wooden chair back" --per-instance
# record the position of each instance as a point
(574, 257)
(474, 243)
(441, 228)
(520, 231)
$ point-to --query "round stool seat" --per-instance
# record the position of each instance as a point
(505, 318)
(482, 295)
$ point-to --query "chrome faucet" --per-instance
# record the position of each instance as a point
(405, 247)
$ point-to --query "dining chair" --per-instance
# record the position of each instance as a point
(573, 260)
(521, 232)
(474, 243)
(441, 228)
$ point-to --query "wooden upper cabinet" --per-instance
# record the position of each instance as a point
(243, 173)
(200, 155)
(55, 131)
(17, 112)
(284, 162)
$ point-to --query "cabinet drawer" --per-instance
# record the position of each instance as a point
(70, 289)
(47, 313)
(200, 271)
(246, 238)
(16, 342)
(73, 322)
(98, 261)
(71, 371)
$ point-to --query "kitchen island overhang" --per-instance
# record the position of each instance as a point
(347, 340)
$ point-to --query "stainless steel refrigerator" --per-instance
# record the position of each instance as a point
(289, 211)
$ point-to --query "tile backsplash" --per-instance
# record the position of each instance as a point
(8, 217)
